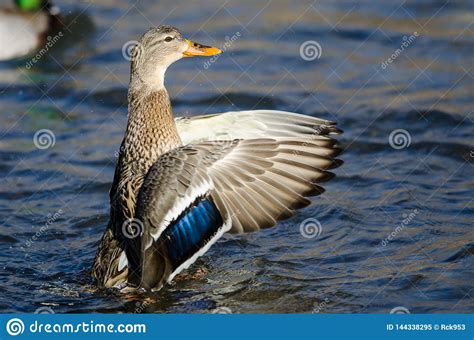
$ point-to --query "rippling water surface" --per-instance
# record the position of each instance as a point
(396, 222)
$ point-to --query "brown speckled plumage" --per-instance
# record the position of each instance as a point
(150, 132)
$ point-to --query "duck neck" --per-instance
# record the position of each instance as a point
(151, 130)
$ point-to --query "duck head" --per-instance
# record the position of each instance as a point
(37, 5)
(31, 5)
(157, 49)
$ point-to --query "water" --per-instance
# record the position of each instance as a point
(396, 222)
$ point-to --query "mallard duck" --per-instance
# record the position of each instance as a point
(24, 29)
(180, 184)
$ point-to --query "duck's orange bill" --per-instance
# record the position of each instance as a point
(195, 50)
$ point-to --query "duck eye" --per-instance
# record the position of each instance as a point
(168, 39)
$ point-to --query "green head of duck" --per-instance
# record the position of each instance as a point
(30, 5)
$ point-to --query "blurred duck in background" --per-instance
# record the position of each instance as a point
(25, 28)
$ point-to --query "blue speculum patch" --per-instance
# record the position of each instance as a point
(191, 231)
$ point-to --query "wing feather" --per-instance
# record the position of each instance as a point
(252, 183)
(251, 125)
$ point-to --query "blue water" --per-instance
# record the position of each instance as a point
(396, 223)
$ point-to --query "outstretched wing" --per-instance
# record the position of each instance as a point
(194, 194)
(251, 124)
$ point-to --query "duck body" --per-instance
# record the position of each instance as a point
(180, 184)
(23, 31)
